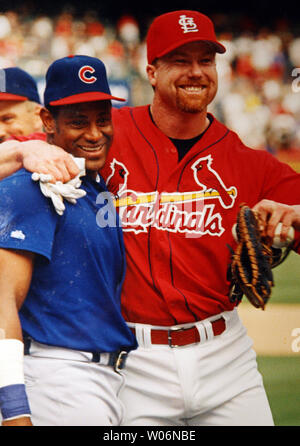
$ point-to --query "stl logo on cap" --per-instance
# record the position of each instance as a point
(187, 24)
(82, 73)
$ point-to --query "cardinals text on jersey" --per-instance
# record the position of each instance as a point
(191, 212)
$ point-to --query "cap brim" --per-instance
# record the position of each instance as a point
(86, 97)
(218, 47)
(12, 97)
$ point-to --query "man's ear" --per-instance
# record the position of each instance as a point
(151, 73)
(47, 120)
(37, 123)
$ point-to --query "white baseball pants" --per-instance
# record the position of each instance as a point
(65, 388)
(212, 383)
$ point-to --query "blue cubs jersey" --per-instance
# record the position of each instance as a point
(79, 266)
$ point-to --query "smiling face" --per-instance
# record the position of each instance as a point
(19, 118)
(186, 78)
(85, 130)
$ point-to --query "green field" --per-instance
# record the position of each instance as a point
(282, 374)
(287, 281)
(282, 383)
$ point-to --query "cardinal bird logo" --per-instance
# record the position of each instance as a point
(208, 178)
(117, 181)
(190, 211)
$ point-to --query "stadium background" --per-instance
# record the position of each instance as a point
(259, 97)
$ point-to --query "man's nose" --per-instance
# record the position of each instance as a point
(195, 69)
(3, 132)
(93, 133)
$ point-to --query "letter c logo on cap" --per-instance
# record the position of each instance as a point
(85, 74)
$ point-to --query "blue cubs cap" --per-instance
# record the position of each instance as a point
(75, 79)
(17, 85)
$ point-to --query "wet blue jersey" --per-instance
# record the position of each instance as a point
(79, 266)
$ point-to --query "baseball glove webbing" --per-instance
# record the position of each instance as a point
(250, 271)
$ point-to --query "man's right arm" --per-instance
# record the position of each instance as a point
(15, 276)
(36, 156)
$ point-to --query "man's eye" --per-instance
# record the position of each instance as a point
(103, 121)
(207, 61)
(77, 123)
(7, 119)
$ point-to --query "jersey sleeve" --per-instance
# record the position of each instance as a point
(282, 184)
(27, 218)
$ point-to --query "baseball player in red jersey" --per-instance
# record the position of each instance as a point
(179, 177)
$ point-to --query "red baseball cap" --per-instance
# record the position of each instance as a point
(173, 29)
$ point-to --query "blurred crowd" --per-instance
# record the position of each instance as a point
(259, 75)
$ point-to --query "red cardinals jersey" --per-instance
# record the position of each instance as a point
(177, 217)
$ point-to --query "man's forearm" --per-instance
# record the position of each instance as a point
(36, 156)
(14, 405)
(16, 272)
(296, 222)
(10, 158)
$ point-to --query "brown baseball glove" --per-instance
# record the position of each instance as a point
(250, 271)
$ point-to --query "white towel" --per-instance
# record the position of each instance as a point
(59, 191)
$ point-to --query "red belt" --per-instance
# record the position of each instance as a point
(177, 337)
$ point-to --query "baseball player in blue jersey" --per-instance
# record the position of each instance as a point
(61, 275)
